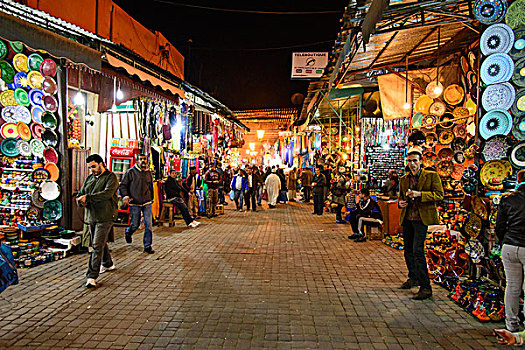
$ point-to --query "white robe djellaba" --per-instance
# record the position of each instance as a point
(273, 185)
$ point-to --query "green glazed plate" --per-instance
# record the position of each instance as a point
(34, 61)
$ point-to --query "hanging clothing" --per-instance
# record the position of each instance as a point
(273, 186)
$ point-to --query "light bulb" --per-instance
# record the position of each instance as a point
(79, 99)
(406, 105)
(357, 128)
(120, 94)
(438, 90)
(114, 108)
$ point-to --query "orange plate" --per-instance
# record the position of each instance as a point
(53, 171)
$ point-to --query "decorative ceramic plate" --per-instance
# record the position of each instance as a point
(34, 61)
(437, 108)
(517, 155)
(35, 79)
(445, 168)
(49, 189)
(53, 171)
(23, 148)
(9, 130)
(20, 62)
(457, 174)
(48, 67)
(460, 130)
(446, 120)
(49, 121)
(454, 94)
(21, 97)
(498, 37)
(473, 225)
(417, 119)
(8, 147)
(23, 131)
(37, 199)
(497, 68)
(490, 11)
(518, 78)
(49, 86)
(495, 171)
(7, 98)
(495, 122)
(434, 89)
(429, 159)
(37, 130)
(52, 210)
(515, 16)
(36, 96)
(429, 121)
(479, 207)
(37, 148)
(445, 153)
(50, 155)
(431, 140)
(498, 96)
(423, 104)
(495, 148)
(36, 114)
(49, 138)
(446, 137)
(518, 48)
(7, 72)
(40, 175)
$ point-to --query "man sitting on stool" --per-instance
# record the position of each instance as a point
(174, 190)
(364, 213)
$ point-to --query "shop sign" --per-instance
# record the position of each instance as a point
(308, 64)
(197, 147)
(121, 152)
(124, 143)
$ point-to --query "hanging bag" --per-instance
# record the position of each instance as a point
(8, 273)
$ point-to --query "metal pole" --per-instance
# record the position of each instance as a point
(65, 183)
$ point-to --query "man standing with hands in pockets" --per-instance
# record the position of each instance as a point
(419, 190)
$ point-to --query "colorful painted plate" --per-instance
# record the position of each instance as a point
(3, 50)
(498, 37)
(23, 148)
(34, 61)
(37, 148)
(471, 106)
(37, 130)
(459, 144)
(49, 121)
(518, 48)
(49, 86)
(9, 130)
(490, 11)
(517, 155)
(460, 130)
(37, 199)
(49, 189)
(21, 80)
(21, 97)
(417, 120)
(446, 137)
(472, 226)
(497, 68)
(8, 147)
(445, 153)
(7, 98)
(446, 120)
(457, 174)
(49, 138)
(52, 210)
(434, 89)
(17, 46)
(495, 170)
(36, 114)
(36, 96)
(431, 139)
(479, 207)
(437, 108)
(495, 122)
(518, 128)
(515, 16)
(50, 155)
(53, 170)
(429, 159)
(8, 72)
(8, 114)
(48, 67)
(423, 104)
(518, 78)
(498, 96)
(23, 131)
(50, 103)
(429, 121)
(40, 175)
(453, 94)
(20, 62)
(445, 168)
(35, 79)
(495, 148)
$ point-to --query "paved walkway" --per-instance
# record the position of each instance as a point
(275, 279)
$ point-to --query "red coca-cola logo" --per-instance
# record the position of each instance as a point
(121, 152)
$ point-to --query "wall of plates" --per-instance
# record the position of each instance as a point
(29, 165)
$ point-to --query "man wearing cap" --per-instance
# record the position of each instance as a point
(419, 191)
(212, 178)
(137, 189)
(98, 196)
(174, 191)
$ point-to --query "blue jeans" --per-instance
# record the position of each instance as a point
(135, 212)
(238, 196)
(414, 235)
(259, 194)
(179, 203)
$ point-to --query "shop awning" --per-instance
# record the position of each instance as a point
(115, 62)
(14, 29)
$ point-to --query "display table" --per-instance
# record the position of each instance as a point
(391, 215)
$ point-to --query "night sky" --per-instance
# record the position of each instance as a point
(219, 60)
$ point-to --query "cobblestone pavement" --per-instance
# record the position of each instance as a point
(275, 279)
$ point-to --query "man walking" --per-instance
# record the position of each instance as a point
(306, 184)
(419, 190)
(192, 185)
(252, 189)
(98, 196)
(318, 182)
(273, 185)
(212, 179)
(174, 191)
(137, 189)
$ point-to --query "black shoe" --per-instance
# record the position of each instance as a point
(149, 250)
(271, 206)
(360, 239)
(354, 236)
(340, 222)
(292, 200)
(129, 240)
(409, 284)
(422, 294)
(319, 213)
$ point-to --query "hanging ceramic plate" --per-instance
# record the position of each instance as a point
(518, 77)
(429, 159)
(453, 94)
(459, 144)
(434, 89)
(518, 107)
(429, 121)
(472, 79)
(36, 130)
(35, 97)
(460, 130)
(50, 155)
(9, 130)
(464, 64)
(34, 61)
(8, 147)
(437, 108)
(497, 68)
(495, 148)
(49, 121)
(444, 168)
(417, 119)
(479, 207)
(52, 210)
(23, 148)
(23, 131)
(517, 155)
(445, 153)
(33, 213)
(490, 11)
(49, 86)
(35, 79)
(495, 122)
(3, 50)
(20, 80)
(50, 103)
(515, 16)
(49, 189)
(431, 139)
(37, 148)
(460, 112)
(17, 46)
(8, 114)
(498, 37)
(37, 199)
(40, 175)
(49, 138)
(36, 114)
(21, 97)
(53, 171)
(498, 96)
(459, 157)
(8, 72)
(446, 120)
(457, 174)
(472, 226)
(518, 128)
(423, 104)
(518, 48)
(48, 67)
(471, 106)
(20, 62)
(495, 170)
(7, 98)
(446, 137)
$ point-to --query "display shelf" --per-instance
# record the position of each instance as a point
(7, 188)
(17, 169)
(11, 207)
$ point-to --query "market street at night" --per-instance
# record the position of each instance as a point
(276, 279)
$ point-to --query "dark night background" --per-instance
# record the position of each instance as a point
(219, 60)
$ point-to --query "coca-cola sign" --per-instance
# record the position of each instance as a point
(121, 152)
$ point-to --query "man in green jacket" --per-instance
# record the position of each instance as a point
(98, 196)
(419, 190)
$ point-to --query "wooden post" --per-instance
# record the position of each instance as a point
(64, 164)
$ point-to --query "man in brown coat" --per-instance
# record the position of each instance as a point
(306, 183)
(419, 191)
